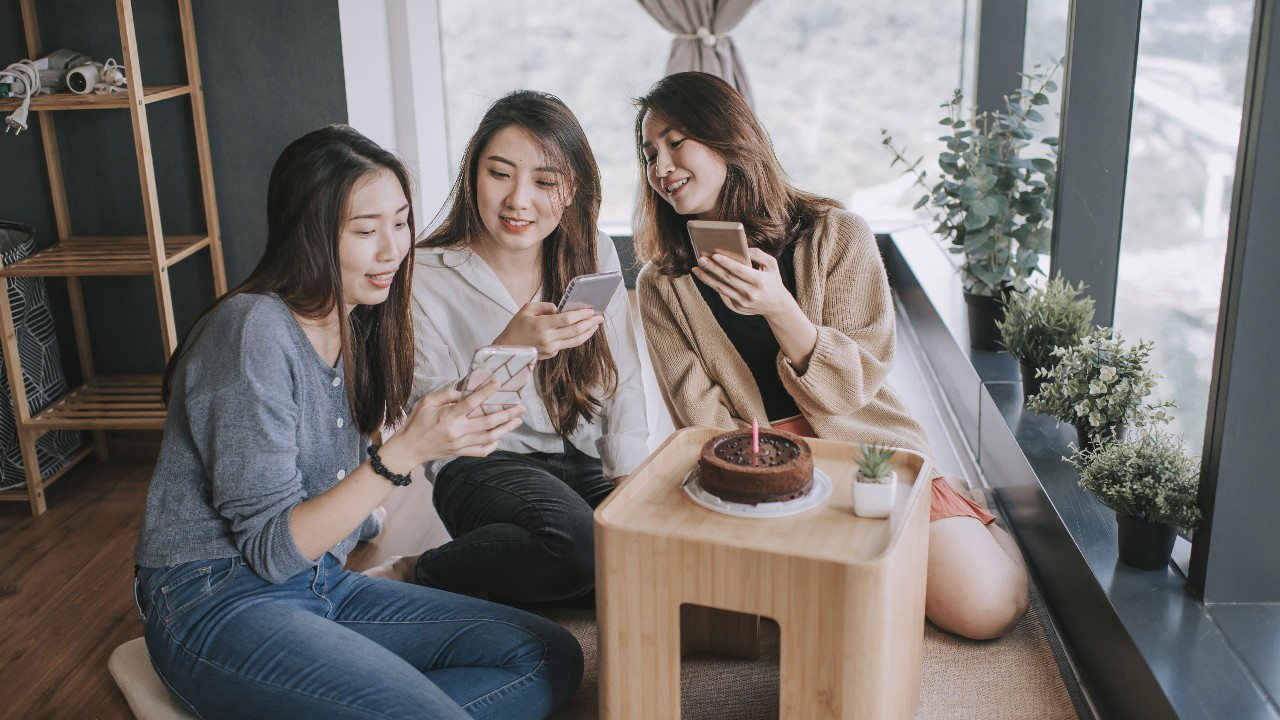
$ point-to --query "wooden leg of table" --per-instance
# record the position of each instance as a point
(31, 465)
(724, 632)
(638, 620)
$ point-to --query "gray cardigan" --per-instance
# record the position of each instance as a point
(257, 423)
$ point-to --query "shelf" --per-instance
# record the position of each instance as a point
(80, 256)
(92, 101)
(19, 494)
(126, 402)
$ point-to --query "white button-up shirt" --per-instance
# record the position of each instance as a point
(459, 304)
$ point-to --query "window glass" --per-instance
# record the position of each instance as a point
(594, 55)
(826, 74)
(1188, 95)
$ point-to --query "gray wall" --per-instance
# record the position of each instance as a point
(272, 71)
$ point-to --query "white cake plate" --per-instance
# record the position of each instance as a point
(818, 492)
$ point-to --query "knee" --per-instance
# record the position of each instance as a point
(982, 608)
(574, 549)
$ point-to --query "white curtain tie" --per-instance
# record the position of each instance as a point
(707, 37)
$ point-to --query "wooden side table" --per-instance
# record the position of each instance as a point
(846, 592)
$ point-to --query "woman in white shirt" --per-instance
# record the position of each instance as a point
(521, 224)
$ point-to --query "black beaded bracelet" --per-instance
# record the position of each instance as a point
(378, 467)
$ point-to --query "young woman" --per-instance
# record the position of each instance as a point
(521, 224)
(262, 483)
(803, 338)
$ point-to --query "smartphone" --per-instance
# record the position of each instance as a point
(510, 365)
(713, 236)
(590, 291)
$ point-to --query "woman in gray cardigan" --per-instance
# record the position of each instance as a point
(262, 483)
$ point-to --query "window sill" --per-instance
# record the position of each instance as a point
(1141, 645)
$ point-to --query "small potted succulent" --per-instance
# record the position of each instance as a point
(992, 203)
(1152, 486)
(1098, 385)
(876, 482)
(1037, 321)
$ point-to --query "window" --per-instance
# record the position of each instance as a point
(817, 70)
(595, 56)
(1188, 96)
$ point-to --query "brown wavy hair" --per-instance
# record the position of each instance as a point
(756, 191)
(307, 198)
(568, 382)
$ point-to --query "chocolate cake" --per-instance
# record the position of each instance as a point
(782, 470)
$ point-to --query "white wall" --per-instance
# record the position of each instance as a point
(395, 89)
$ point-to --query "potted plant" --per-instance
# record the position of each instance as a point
(875, 483)
(1152, 485)
(992, 205)
(1037, 321)
(1098, 385)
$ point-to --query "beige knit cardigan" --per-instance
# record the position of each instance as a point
(842, 288)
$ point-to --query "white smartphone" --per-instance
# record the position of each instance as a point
(590, 291)
(510, 365)
(714, 236)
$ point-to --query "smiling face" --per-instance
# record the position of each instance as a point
(374, 239)
(681, 170)
(520, 195)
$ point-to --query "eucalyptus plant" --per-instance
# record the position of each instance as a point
(1098, 383)
(993, 205)
(1037, 321)
(1150, 478)
(875, 463)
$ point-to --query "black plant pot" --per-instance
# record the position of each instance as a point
(1144, 545)
(984, 313)
(1030, 383)
(1087, 441)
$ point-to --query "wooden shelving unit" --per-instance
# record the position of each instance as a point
(103, 402)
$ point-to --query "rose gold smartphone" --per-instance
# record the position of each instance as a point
(713, 236)
(510, 365)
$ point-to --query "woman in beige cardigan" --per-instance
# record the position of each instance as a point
(804, 337)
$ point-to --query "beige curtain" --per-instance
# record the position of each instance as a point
(702, 39)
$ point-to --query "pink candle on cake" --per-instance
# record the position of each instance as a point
(755, 437)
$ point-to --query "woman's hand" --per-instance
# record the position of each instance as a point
(538, 324)
(438, 427)
(750, 291)
(745, 289)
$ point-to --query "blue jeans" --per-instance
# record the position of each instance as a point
(521, 526)
(330, 643)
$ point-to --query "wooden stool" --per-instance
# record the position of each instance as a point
(143, 689)
(847, 592)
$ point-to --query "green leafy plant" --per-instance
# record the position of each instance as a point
(875, 463)
(1037, 321)
(1098, 383)
(1150, 478)
(993, 205)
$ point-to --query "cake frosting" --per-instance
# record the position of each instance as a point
(781, 470)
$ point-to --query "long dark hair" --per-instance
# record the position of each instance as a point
(756, 191)
(567, 383)
(307, 198)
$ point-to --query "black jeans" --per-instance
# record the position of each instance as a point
(521, 526)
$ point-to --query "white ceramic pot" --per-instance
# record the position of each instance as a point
(874, 500)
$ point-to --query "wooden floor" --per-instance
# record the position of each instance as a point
(66, 581)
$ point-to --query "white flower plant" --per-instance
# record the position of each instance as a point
(1150, 478)
(1099, 383)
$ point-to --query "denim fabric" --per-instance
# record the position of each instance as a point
(521, 524)
(330, 643)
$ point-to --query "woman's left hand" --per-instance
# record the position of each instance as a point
(745, 289)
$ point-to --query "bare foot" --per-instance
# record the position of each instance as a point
(396, 567)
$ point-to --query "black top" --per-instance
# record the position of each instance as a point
(754, 340)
